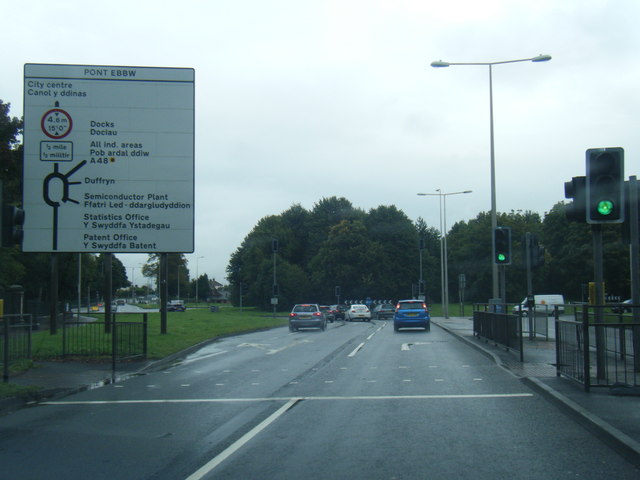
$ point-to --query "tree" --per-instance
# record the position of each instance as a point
(12, 271)
(200, 288)
(178, 273)
(348, 258)
(399, 262)
(10, 155)
(569, 247)
(118, 274)
(325, 214)
(430, 237)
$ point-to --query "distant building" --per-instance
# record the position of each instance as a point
(219, 293)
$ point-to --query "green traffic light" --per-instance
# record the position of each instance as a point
(605, 207)
(502, 257)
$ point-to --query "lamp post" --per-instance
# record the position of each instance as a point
(444, 268)
(197, 277)
(133, 285)
(494, 220)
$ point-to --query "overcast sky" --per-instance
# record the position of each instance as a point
(297, 100)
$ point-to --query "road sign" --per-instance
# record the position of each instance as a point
(108, 159)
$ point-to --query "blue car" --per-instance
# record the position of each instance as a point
(411, 314)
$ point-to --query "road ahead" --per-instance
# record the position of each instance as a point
(358, 401)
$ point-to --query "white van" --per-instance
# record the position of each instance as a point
(548, 300)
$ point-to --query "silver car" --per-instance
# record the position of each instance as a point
(307, 315)
(358, 312)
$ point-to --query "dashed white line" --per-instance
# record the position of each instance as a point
(356, 350)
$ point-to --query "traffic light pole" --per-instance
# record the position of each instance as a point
(634, 255)
(598, 272)
(503, 285)
(530, 304)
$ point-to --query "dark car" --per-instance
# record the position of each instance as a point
(176, 306)
(338, 311)
(328, 313)
(307, 315)
(622, 307)
(411, 314)
(383, 311)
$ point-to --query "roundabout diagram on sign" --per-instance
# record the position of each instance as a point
(56, 123)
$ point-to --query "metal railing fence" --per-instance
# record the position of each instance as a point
(502, 328)
(599, 347)
(15, 344)
(94, 338)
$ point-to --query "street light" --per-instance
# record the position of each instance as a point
(494, 219)
(197, 277)
(133, 285)
(444, 267)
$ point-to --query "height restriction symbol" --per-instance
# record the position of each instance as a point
(56, 123)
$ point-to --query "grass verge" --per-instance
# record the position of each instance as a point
(184, 329)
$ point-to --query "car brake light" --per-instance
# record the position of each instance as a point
(316, 314)
(293, 314)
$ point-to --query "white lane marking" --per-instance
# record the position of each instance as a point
(407, 346)
(372, 335)
(238, 444)
(271, 399)
(295, 343)
(260, 346)
(186, 361)
(356, 350)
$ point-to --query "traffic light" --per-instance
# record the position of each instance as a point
(605, 179)
(576, 211)
(502, 245)
(337, 291)
(274, 245)
(531, 247)
(537, 256)
(12, 222)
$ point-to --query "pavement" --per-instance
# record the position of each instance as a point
(612, 417)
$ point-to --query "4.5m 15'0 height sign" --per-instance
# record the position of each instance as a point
(108, 159)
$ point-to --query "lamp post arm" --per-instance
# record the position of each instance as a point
(539, 58)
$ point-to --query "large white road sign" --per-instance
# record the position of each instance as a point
(108, 159)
